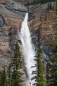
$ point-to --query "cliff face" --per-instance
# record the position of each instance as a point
(41, 25)
(43, 22)
(11, 16)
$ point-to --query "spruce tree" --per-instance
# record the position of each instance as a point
(0, 78)
(3, 78)
(9, 71)
(51, 75)
(16, 65)
(40, 78)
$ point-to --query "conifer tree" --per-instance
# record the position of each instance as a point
(9, 71)
(16, 66)
(3, 78)
(40, 78)
(51, 75)
(0, 78)
(55, 5)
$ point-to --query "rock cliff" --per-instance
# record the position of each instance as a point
(41, 23)
(11, 16)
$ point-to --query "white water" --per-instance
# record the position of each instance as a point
(29, 53)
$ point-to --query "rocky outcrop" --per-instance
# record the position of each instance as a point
(45, 25)
(43, 22)
(48, 21)
(11, 16)
(41, 25)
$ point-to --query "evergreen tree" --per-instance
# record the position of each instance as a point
(9, 74)
(51, 75)
(40, 78)
(15, 67)
(55, 5)
(3, 78)
(50, 6)
(0, 78)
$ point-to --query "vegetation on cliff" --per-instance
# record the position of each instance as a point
(51, 70)
(39, 1)
(13, 75)
(16, 65)
(3, 78)
(40, 78)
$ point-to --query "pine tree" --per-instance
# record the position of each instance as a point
(51, 75)
(40, 78)
(16, 65)
(3, 78)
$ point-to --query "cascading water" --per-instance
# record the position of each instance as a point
(29, 53)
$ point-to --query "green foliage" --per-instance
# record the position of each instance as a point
(40, 78)
(16, 80)
(0, 78)
(52, 68)
(55, 6)
(54, 50)
(3, 78)
(17, 60)
(39, 1)
(9, 71)
(14, 72)
(50, 7)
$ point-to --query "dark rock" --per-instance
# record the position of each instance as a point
(19, 42)
(1, 22)
(47, 50)
(35, 37)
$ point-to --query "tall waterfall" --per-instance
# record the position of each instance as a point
(29, 53)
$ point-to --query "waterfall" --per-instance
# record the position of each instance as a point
(29, 53)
